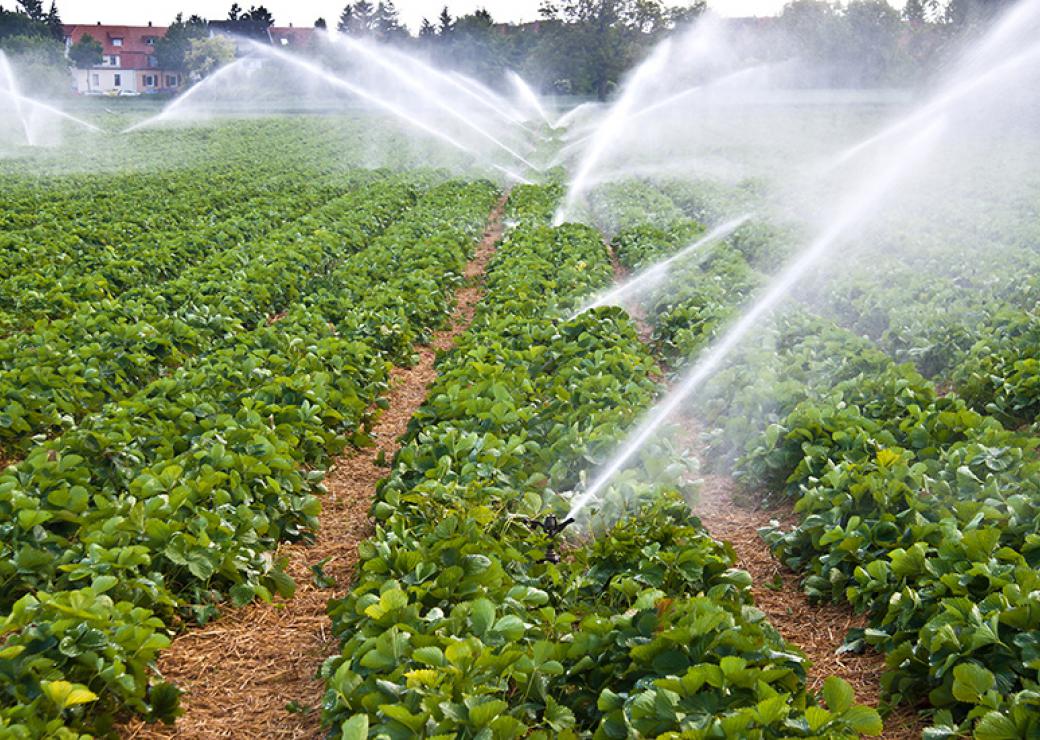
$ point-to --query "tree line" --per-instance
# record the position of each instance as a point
(575, 47)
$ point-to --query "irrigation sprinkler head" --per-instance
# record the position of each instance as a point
(551, 527)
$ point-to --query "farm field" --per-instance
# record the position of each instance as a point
(501, 419)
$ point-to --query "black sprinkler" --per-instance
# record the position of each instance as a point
(552, 527)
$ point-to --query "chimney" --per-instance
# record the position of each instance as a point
(149, 24)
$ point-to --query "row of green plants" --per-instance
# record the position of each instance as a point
(949, 278)
(916, 507)
(921, 513)
(51, 269)
(166, 505)
(701, 292)
(458, 626)
(107, 349)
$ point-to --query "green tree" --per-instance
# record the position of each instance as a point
(359, 19)
(872, 55)
(445, 24)
(54, 24)
(259, 16)
(86, 52)
(206, 55)
(346, 18)
(171, 49)
(320, 23)
(474, 45)
(18, 23)
(914, 11)
(39, 60)
(605, 38)
(387, 22)
(427, 30)
(33, 9)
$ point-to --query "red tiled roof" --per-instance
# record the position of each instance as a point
(294, 36)
(135, 50)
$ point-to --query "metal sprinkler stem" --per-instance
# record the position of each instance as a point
(552, 527)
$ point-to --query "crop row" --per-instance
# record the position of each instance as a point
(162, 505)
(63, 369)
(914, 508)
(458, 626)
(48, 273)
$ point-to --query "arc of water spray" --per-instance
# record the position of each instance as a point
(528, 95)
(436, 100)
(185, 97)
(23, 100)
(605, 133)
(938, 105)
(853, 209)
(484, 95)
(655, 272)
(466, 85)
(12, 91)
(669, 101)
(386, 105)
(568, 118)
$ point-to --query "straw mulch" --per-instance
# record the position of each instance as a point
(252, 673)
(818, 629)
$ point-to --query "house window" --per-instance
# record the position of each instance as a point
(117, 42)
(118, 80)
(149, 80)
(150, 40)
(113, 60)
(171, 80)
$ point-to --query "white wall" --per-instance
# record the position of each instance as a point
(104, 80)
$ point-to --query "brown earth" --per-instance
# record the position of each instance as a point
(817, 629)
(240, 673)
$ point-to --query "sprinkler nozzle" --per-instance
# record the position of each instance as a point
(552, 527)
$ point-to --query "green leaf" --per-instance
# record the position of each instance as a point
(64, 694)
(511, 627)
(971, 681)
(838, 694)
(398, 713)
(481, 715)
(355, 728)
(996, 726)
(817, 717)
(431, 655)
(864, 720)
(482, 615)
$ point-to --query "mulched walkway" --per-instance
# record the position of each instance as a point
(252, 673)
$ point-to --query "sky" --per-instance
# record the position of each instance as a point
(304, 12)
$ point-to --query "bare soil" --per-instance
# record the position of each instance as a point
(242, 672)
(818, 629)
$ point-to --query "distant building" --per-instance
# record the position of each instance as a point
(284, 36)
(292, 37)
(128, 63)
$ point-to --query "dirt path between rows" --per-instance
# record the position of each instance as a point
(241, 673)
(818, 629)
